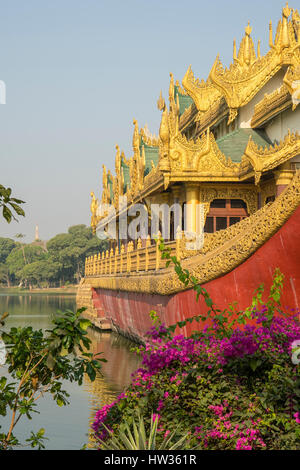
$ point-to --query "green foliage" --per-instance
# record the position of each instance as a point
(70, 250)
(6, 246)
(16, 262)
(4, 274)
(10, 205)
(62, 262)
(134, 437)
(38, 363)
(231, 386)
(45, 269)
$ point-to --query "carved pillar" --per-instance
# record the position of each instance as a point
(259, 197)
(192, 199)
(283, 177)
(164, 228)
(165, 198)
(176, 191)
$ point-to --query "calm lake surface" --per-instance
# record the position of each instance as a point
(68, 427)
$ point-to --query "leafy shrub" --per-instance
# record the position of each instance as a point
(232, 385)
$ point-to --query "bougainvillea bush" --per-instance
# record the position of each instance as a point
(234, 385)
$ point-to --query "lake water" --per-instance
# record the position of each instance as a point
(68, 427)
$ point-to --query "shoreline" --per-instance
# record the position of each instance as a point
(72, 290)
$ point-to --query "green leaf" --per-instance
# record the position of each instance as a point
(63, 352)
(7, 214)
(50, 361)
(84, 324)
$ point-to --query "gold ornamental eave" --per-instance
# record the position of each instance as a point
(249, 72)
(248, 235)
(202, 178)
(270, 106)
(204, 94)
(239, 86)
(269, 158)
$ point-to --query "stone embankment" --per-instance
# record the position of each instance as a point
(86, 297)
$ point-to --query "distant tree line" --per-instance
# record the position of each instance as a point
(58, 262)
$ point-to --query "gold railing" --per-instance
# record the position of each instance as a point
(130, 260)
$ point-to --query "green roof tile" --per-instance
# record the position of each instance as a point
(185, 101)
(151, 154)
(233, 145)
(110, 185)
(126, 175)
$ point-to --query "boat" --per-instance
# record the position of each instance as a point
(227, 160)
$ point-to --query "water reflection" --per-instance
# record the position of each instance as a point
(69, 427)
(116, 372)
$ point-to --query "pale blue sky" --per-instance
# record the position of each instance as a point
(78, 71)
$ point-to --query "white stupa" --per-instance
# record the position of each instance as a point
(36, 238)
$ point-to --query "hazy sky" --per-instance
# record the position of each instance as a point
(78, 71)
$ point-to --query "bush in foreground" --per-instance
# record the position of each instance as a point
(233, 385)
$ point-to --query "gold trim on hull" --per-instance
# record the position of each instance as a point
(223, 252)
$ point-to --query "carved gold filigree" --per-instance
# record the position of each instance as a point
(268, 158)
(245, 238)
(187, 117)
(180, 156)
(204, 94)
(296, 24)
(105, 190)
(269, 106)
(268, 189)
(224, 93)
(216, 111)
(148, 138)
(208, 193)
(292, 82)
(249, 73)
(94, 210)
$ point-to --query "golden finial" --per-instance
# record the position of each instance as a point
(271, 34)
(248, 29)
(136, 137)
(171, 87)
(104, 177)
(285, 40)
(164, 127)
(118, 159)
(247, 49)
(258, 49)
(286, 11)
(161, 102)
(234, 50)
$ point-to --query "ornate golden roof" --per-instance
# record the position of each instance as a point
(273, 156)
(279, 99)
(203, 93)
(250, 72)
(225, 91)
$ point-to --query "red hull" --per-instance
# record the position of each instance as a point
(129, 311)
